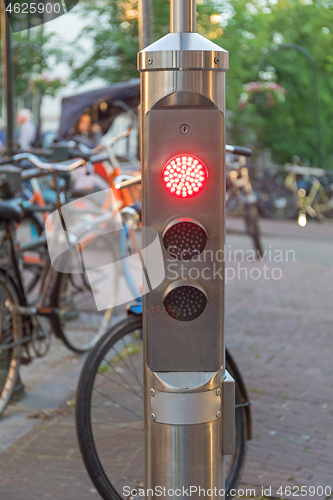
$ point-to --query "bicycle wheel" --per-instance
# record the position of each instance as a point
(276, 201)
(109, 414)
(252, 226)
(82, 322)
(32, 260)
(10, 332)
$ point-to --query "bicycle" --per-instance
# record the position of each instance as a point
(65, 300)
(83, 220)
(240, 198)
(36, 204)
(316, 197)
(109, 412)
(295, 191)
(115, 365)
(275, 200)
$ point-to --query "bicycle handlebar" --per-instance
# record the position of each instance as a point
(31, 173)
(300, 170)
(238, 150)
(53, 167)
(125, 181)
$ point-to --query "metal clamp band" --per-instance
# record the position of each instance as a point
(183, 51)
(186, 408)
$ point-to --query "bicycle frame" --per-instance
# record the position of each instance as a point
(240, 185)
(17, 281)
(305, 201)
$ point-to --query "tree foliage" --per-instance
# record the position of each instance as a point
(248, 30)
(33, 54)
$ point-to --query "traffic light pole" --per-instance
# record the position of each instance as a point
(7, 80)
(189, 397)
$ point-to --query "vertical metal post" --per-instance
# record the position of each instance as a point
(7, 76)
(183, 16)
(145, 8)
(183, 112)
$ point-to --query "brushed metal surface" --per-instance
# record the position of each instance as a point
(228, 415)
(155, 85)
(192, 345)
(185, 408)
(183, 51)
(181, 456)
(182, 16)
(186, 381)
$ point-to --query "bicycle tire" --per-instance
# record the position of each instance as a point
(10, 332)
(87, 432)
(80, 328)
(275, 200)
(252, 226)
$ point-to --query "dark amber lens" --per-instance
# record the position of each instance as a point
(185, 240)
(185, 303)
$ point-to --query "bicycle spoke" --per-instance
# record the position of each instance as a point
(118, 355)
(120, 385)
(121, 447)
(117, 433)
(119, 405)
(136, 374)
(103, 422)
(117, 373)
(140, 448)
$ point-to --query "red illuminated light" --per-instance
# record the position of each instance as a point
(185, 176)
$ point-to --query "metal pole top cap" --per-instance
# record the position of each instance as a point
(183, 51)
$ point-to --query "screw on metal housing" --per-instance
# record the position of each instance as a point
(185, 129)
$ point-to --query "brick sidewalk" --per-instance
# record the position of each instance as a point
(280, 332)
(281, 337)
(46, 464)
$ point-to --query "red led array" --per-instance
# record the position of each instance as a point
(184, 176)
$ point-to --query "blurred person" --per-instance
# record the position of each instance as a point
(86, 132)
(27, 135)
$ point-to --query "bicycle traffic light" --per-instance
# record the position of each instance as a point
(183, 199)
(184, 181)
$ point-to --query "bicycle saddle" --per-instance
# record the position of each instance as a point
(11, 210)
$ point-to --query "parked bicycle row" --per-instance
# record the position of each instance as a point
(295, 192)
